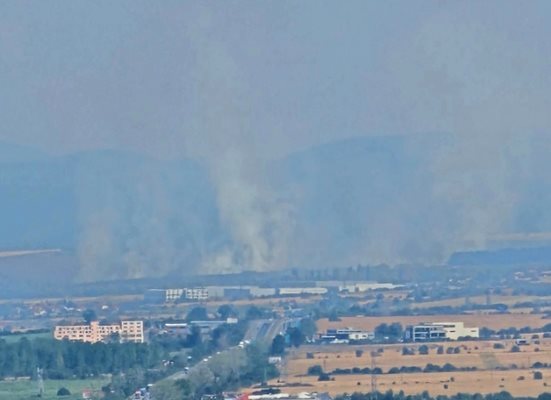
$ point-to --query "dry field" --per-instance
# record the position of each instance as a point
(492, 321)
(459, 301)
(268, 301)
(479, 354)
(464, 382)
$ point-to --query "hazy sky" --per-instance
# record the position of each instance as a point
(236, 83)
(200, 76)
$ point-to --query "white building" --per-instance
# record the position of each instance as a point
(198, 293)
(128, 331)
(173, 294)
(434, 331)
(347, 335)
(456, 330)
(300, 291)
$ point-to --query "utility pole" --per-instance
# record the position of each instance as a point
(39, 382)
(373, 376)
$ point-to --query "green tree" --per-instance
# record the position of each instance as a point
(308, 327)
(197, 314)
(226, 311)
(296, 337)
(278, 346)
(89, 315)
(169, 390)
(63, 392)
(253, 312)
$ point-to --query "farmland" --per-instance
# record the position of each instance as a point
(492, 321)
(27, 389)
(497, 369)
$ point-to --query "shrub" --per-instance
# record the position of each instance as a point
(315, 370)
(63, 392)
(310, 356)
(406, 351)
(515, 349)
(424, 349)
(538, 375)
(324, 377)
(359, 353)
(499, 346)
(440, 350)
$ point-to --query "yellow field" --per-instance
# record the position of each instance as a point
(507, 300)
(479, 354)
(492, 321)
(464, 382)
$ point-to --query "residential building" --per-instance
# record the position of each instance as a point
(175, 294)
(128, 331)
(198, 293)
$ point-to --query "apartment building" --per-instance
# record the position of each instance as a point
(198, 293)
(128, 331)
(172, 295)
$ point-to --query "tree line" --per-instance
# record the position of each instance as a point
(226, 371)
(390, 395)
(65, 359)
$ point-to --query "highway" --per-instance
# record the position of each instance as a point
(259, 330)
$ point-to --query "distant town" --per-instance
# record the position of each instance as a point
(298, 339)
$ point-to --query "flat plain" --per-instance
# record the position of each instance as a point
(497, 369)
(492, 321)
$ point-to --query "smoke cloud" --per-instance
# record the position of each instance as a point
(448, 104)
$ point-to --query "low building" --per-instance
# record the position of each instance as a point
(347, 335)
(239, 293)
(457, 330)
(128, 331)
(435, 331)
(292, 291)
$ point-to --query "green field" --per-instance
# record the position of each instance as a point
(27, 390)
(30, 336)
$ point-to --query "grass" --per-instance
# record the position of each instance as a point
(30, 336)
(27, 389)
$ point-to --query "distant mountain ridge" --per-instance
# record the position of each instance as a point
(359, 200)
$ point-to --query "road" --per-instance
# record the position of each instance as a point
(262, 329)
(265, 329)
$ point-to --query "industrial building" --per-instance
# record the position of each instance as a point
(346, 335)
(435, 331)
(297, 291)
(128, 331)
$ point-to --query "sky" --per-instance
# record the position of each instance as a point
(275, 76)
(237, 84)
